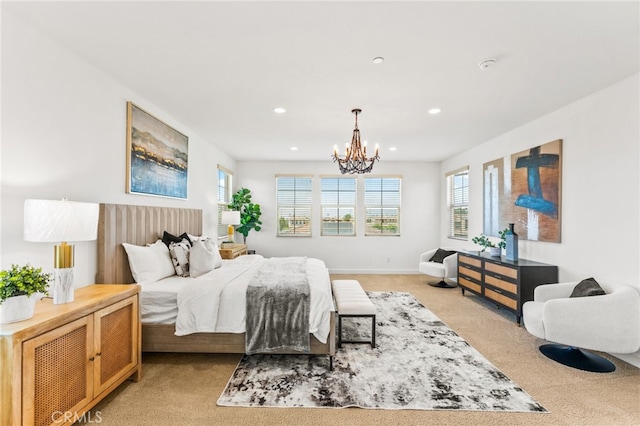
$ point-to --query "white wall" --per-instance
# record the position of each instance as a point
(63, 135)
(600, 186)
(371, 254)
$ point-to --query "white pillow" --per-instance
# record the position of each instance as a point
(179, 253)
(150, 263)
(204, 257)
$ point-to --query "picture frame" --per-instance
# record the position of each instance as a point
(536, 192)
(157, 156)
(525, 189)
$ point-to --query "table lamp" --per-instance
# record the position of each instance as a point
(60, 222)
(230, 217)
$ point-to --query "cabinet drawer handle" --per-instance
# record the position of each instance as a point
(496, 290)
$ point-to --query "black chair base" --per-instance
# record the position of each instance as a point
(577, 358)
(443, 284)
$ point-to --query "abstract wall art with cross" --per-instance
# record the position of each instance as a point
(525, 189)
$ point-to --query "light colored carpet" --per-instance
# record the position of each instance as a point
(418, 363)
(181, 389)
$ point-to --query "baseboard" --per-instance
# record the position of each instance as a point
(633, 359)
(374, 271)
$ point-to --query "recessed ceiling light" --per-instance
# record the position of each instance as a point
(294, 148)
(393, 148)
(279, 110)
(378, 60)
(435, 111)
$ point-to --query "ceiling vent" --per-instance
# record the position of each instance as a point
(487, 63)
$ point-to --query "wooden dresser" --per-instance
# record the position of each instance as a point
(231, 251)
(507, 283)
(61, 362)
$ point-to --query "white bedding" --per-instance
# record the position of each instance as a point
(190, 303)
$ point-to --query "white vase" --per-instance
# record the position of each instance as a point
(17, 308)
(495, 251)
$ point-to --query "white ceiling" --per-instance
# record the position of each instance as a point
(220, 68)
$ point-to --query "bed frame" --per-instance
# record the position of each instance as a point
(140, 225)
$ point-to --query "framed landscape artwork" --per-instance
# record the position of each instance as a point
(157, 156)
(525, 189)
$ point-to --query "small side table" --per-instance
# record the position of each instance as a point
(231, 251)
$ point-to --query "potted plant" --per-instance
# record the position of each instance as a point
(17, 288)
(249, 212)
(485, 243)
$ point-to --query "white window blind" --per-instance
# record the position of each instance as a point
(382, 206)
(225, 178)
(294, 199)
(338, 199)
(458, 200)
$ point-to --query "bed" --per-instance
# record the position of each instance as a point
(140, 225)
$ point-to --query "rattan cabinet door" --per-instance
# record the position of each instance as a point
(57, 374)
(116, 334)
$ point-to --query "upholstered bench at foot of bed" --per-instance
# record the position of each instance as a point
(352, 301)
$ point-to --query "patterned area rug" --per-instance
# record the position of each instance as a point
(418, 363)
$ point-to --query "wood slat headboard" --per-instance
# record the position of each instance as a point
(139, 225)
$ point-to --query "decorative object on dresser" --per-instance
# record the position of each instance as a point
(18, 288)
(567, 314)
(511, 242)
(60, 222)
(231, 251)
(509, 284)
(418, 364)
(231, 218)
(440, 263)
(484, 242)
(69, 357)
(249, 212)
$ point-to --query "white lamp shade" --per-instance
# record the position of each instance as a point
(230, 217)
(57, 221)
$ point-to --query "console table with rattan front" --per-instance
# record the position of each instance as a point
(61, 362)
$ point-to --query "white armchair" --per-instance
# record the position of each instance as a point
(606, 323)
(446, 271)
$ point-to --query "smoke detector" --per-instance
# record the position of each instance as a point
(487, 63)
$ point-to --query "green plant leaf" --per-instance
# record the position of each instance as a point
(249, 212)
(22, 280)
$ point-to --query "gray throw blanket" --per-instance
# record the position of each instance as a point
(278, 303)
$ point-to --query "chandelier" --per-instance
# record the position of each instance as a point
(355, 159)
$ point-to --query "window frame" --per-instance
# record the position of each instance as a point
(224, 200)
(339, 206)
(295, 206)
(455, 207)
(382, 206)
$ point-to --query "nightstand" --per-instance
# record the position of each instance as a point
(231, 251)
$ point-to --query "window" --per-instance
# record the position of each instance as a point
(224, 196)
(382, 206)
(338, 199)
(294, 195)
(458, 200)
